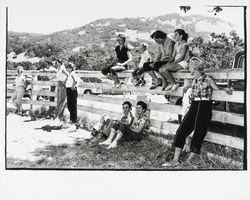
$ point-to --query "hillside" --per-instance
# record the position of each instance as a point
(96, 40)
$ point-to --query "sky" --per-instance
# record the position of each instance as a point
(48, 16)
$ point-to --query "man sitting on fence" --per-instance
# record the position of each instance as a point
(129, 133)
(199, 114)
(103, 127)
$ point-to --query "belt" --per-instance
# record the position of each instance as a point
(201, 99)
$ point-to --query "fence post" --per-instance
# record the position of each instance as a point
(33, 97)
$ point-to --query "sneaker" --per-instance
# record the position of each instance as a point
(155, 86)
(72, 128)
(143, 82)
(112, 145)
(175, 87)
(169, 87)
(138, 83)
(106, 142)
(172, 163)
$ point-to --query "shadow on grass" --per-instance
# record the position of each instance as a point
(49, 128)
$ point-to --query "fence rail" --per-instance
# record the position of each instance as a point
(158, 110)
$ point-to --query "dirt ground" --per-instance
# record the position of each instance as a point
(24, 136)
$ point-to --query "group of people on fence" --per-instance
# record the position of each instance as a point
(171, 57)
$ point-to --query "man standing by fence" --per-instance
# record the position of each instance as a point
(61, 76)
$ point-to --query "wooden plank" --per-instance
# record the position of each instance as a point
(224, 117)
(218, 95)
(44, 83)
(44, 103)
(44, 93)
(170, 128)
(227, 117)
(216, 74)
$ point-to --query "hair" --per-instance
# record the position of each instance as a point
(142, 104)
(197, 63)
(20, 68)
(158, 34)
(122, 37)
(183, 33)
(144, 45)
(70, 65)
(128, 103)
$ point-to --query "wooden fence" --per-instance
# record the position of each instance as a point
(100, 104)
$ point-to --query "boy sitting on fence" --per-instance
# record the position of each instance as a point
(129, 133)
(103, 127)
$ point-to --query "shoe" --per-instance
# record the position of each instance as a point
(106, 142)
(155, 86)
(112, 145)
(143, 82)
(94, 132)
(138, 82)
(175, 87)
(72, 128)
(169, 87)
(172, 163)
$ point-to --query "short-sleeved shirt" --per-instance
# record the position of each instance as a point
(145, 57)
(60, 76)
(127, 119)
(201, 87)
(163, 50)
(122, 53)
(20, 81)
(70, 80)
(139, 120)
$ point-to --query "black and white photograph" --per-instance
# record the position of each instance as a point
(123, 87)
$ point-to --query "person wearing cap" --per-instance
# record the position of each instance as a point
(177, 61)
(71, 84)
(145, 57)
(61, 76)
(20, 85)
(120, 62)
(199, 114)
(165, 50)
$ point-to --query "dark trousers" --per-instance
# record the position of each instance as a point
(147, 67)
(72, 104)
(128, 134)
(197, 119)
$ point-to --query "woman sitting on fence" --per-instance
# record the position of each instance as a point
(20, 82)
(199, 114)
(177, 62)
(71, 85)
(103, 127)
(120, 61)
(134, 132)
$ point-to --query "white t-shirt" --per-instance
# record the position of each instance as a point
(50, 69)
(20, 81)
(72, 76)
(145, 57)
(60, 75)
